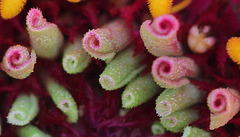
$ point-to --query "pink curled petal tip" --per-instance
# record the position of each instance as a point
(45, 37)
(35, 19)
(172, 72)
(18, 63)
(103, 43)
(224, 103)
(160, 36)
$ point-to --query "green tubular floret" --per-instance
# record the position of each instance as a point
(75, 59)
(171, 100)
(23, 110)
(45, 38)
(105, 42)
(121, 70)
(195, 132)
(178, 120)
(63, 99)
(31, 131)
(157, 128)
(139, 91)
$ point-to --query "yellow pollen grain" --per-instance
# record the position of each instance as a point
(74, 1)
(11, 8)
(233, 49)
(162, 7)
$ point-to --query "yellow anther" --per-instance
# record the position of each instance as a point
(161, 7)
(181, 5)
(11, 8)
(74, 1)
(233, 49)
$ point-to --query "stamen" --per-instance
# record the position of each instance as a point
(74, 1)
(159, 7)
(180, 6)
(233, 49)
(198, 39)
(11, 8)
(163, 7)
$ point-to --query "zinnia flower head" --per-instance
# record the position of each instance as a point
(100, 68)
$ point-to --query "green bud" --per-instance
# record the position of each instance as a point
(31, 131)
(121, 70)
(75, 59)
(46, 39)
(171, 100)
(139, 91)
(195, 132)
(23, 110)
(63, 99)
(178, 120)
(157, 128)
